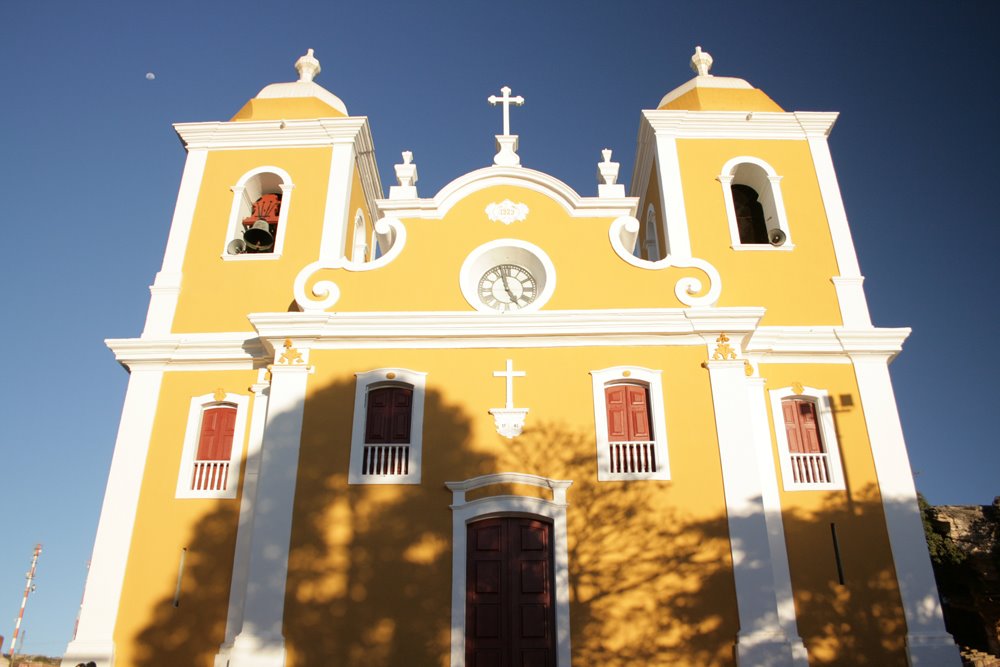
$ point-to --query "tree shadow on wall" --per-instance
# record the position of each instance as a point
(369, 568)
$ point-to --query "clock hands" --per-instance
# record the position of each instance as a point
(506, 287)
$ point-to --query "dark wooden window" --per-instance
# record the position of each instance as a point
(749, 215)
(387, 431)
(510, 598)
(808, 457)
(215, 448)
(630, 433)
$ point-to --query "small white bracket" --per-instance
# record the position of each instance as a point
(607, 175)
(406, 175)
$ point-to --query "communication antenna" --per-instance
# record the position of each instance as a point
(29, 588)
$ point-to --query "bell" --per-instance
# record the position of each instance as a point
(776, 237)
(259, 237)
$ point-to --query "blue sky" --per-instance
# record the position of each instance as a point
(92, 167)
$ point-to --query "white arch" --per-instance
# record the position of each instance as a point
(767, 183)
(247, 190)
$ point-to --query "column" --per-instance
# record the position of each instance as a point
(927, 641)
(761, 639)
(260, 641)
(241, 558)
(94, 638)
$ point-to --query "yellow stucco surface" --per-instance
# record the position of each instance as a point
(794, 285)
(217, 293)
(286, 108)
(150, 630)
(723, 99)
(358, 203)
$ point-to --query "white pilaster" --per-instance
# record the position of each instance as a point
(166, 286)
(672, 196)
(850, 293)
(241, 559)
(762, 639)
(927, 641)
(95, 632)
(338, 201)
(771, 501)
(260, 641)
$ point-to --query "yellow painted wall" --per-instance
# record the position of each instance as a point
(723, 99)
(217, 294)
(286, 108)
(150, 630)
(862, 621)
(652, 196)
(358, 202)
(370, 567)
(794, 286)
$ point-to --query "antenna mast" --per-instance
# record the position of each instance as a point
(29, 587)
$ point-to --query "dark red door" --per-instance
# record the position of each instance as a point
(801, 426)
(510, 601)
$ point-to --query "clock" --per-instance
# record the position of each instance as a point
(507, 287)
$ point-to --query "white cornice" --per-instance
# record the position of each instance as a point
(537, 181)
(736, 124)
(219, 135)
(790, 341)
(236, 350)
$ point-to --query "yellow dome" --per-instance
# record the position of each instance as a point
(706, 92)
(296, 99)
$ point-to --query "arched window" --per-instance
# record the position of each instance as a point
(213, 444)
(359, 245)
(652, 243)
(807, 439)
(387, 434)
(630, 424)
(259, 214)
(754, 205)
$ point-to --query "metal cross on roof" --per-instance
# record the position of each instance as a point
(506, 100)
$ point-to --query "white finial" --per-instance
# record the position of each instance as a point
(701, 62)
(506, 100)
(406, 176)
(607, 177)
(307, 66)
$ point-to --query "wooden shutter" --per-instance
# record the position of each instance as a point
(628, 412)
(389, 415)
(215, 443)
(510, 609)
(802, 426)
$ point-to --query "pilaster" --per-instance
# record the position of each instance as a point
(94, 640)
(338, 201)
(672, 196)
(927, 642)
(260, 641)
(762, 639)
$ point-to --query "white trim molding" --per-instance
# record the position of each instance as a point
(102, 594)
(759, 175)
(196, 411)
(465, 512)
(248, 189)
(829, 459)
(385, 377)
(928, 643)
(652, 380)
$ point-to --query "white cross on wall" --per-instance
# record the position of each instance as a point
(510, 374)
(506, 100)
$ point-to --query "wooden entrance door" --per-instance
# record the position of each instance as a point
(510, 601)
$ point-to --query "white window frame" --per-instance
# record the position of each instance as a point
(359, 244)
(465, 512)
(828, 431)
(762, 177)
(379, 378)
(190, 449)
(247, 190)
(630, 374)
(652, 236)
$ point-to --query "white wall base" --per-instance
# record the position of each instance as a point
(932, 651)
(101, 653)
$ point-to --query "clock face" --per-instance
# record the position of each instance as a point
(507, 287)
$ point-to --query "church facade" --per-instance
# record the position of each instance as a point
(652, 427)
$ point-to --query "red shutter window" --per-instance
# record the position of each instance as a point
(387, 431)
(215, 448)
(809, 460)
(630, 433)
